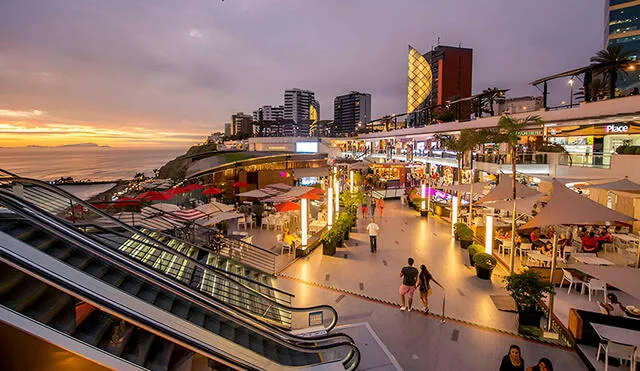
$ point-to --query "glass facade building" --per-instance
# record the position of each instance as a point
(622, 28)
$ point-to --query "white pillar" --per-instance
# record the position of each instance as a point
(351, 185)
(330, 207)
(423, 195)
(454, 213)
(488, 235)
(304, 209)
(429, 197)
(336, 186)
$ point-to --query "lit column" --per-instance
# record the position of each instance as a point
(488, 235)
(304, 208)
(336, 186)
(454, 213)
(330, 207)
(351, 181)
(429, 198)
(423, 195)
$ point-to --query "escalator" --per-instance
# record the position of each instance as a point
(60, 256)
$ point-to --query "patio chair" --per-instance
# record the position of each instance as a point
(567, 276)
(597, 285)
(250, 222)
(283, 245)
(623, 352)
(608, 246)
(526, 247)
(504, 245)
(242, 222)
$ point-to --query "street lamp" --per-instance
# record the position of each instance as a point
(570, 82)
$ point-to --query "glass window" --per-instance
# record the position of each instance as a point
(624, 20)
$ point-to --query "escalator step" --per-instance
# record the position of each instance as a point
(114, 277)
(78, 260)
(29, 234)
(92, 329)
(138, 347)
(48, 306)
(96, 268)
(196, 316)
(212, 324)
(164, 301)
(21, 296)
(181, 308)
(9, 278)
(65, 320)
(160, 355)
(256, 343)
(227, 331)
(59, 251)
(148, 294)
(118, 336)
(131, 285)
(242, 336)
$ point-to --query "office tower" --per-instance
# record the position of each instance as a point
(351, 112)
(622, 28)
(297, 103)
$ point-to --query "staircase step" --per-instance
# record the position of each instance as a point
(160, 355)
(48, 306)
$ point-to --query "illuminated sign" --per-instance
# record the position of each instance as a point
(307, 147)
(616, 128)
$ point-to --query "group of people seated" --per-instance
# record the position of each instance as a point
(594, 238)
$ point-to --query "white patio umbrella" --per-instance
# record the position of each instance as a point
(523, 205)
(624, 185)
(219, 217)
(467, 188)
(280, 186)
(568, 207)
(214, 207)
(256, 193)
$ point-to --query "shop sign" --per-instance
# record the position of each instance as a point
(531, 132)
(616, 128)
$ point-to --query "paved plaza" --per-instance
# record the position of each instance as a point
(363, 287)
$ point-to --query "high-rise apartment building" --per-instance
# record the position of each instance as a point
(268, 113)
(435, 77)
(622, 28)
(297, 103)
(351, 111)
(241, 124)
(227, 129)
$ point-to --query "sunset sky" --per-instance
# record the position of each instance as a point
(168, 73)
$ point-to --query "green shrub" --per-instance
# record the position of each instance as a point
(475, 249)
(465, 234)
(621, 149)
(332, 237)
(637, 152)
(527, 289)
(484, 260)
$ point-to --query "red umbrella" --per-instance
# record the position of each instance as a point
(178, 190)
(127, 201)
(311, 196)
(316, 191)
(193, 187)
(287, 206)
(156, 196)
(240, 185)
(212, 191)
(101, 205)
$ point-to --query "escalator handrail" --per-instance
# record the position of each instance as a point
(61, 192)
(299, 343)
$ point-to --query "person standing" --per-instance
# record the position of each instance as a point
(409, 276)
(381, 206)
(373, 229)
(373, 207)
(424, 286)
(513, 361)
(364, 208)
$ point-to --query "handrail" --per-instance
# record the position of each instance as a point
(61, 192)
(299, 343)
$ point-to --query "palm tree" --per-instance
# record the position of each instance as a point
(508, 131)
(490, 97)
(609, 61)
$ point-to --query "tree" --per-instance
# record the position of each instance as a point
(490, 97)
(466, 141)
(508, 131)
(610, 61)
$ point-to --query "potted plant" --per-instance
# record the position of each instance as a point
(528, 289)
(258, 209)
(330, 241)
(455, 229)
(484, 264)
(474, 249)
(466, 236)
(223, 226)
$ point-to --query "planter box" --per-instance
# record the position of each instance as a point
(471, 260)
(466, 244)
(483, 273)
(328, 249)
(424, 213)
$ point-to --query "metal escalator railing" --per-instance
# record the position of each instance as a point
(64, 204)
(338, 347)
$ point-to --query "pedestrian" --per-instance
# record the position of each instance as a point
(424, 286)
(513, 361)
(373, 207)
(364, 208)
(409, 276)
(544, 364)
(373, 229)
(381, 206)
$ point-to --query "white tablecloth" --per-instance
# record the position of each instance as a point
(618, 334)
(594, 260)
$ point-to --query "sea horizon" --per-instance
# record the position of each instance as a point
(85, 163)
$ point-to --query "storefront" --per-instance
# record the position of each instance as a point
(389, 175)
(596, 139)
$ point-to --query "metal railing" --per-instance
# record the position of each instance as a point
(522, 158)
(327, 345)
(585, 160)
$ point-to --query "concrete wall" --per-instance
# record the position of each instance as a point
(284, 144)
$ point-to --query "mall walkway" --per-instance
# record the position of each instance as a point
(364, 288)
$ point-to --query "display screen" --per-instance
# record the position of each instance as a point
(307, 147)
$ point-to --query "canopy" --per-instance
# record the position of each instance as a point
(214, 207)
(623, 278)
(256, 193)
(311, 196)
(619, 185)
(568, 207)
(212, 191)
(291, 195)
(280, 186)
(127, 201)
(178, 190)
(159, 223)
(217, 218)
(162, 206)
(523, 205)
(240, 185)
(287, 206)
(504, 191)
(191, 214)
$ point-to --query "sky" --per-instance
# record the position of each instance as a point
(168, 73)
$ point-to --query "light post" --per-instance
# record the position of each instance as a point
(570, 82)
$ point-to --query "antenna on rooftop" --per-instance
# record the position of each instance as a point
(438, 43)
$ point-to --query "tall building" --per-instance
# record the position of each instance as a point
(297, 103)
(351, 111)
(435, 77)
(622, 28)
(268, 113)
(227, 129)
(241, 124)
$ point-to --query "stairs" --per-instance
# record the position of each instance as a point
(21, 293)
(54, 308)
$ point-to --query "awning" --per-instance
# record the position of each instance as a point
(624, 278)
(624, 185)
(291, 195)
(191, 214)
(217, 218)
(214, 207)
(523, 205)
(504, 191)
(280, 186)
(256, 193)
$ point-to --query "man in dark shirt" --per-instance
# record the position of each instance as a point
(409, 276)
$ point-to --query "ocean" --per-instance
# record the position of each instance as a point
(85, 163)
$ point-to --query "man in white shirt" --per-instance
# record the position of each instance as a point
(373, 229)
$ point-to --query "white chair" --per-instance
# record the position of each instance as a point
(250, 222)
(596, 285)
(505, 245)
(617, 350)
(567, 276)
(283, 245)
(526, 247)
(608, 246)
(242, 222)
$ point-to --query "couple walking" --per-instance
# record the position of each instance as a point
(412, 279)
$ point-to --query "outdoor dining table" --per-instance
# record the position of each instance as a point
(626, 237)
(537, 255)
(617, 334)
(317, 225)
(593, 260)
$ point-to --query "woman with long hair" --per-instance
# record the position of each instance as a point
(424, 286)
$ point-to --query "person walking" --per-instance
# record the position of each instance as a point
(512, 361)
(424, 286)
(373, 207)
(364, 208)
(409, 276)
(373, 229)
(381, 206)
